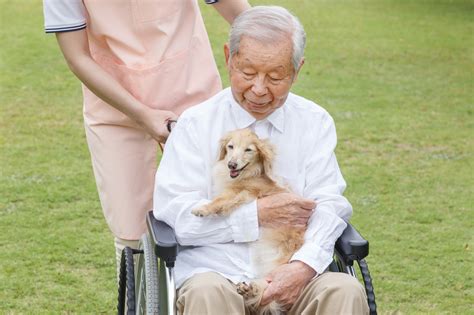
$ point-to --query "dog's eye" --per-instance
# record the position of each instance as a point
(248, 150)
(230, 146)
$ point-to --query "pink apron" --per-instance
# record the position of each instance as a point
(160, 52)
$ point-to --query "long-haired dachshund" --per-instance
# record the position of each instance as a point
(242, 174)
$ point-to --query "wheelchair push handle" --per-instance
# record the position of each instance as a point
(170, 124)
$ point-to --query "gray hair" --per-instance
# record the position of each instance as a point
(266, 24)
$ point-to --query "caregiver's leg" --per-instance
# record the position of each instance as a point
(124, 163)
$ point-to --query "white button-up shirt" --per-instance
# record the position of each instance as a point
(305, 138)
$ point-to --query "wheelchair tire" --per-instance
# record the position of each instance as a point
(369, 289)
(126, 290)
(147, 279)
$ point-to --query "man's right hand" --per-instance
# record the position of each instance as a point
(284, 209)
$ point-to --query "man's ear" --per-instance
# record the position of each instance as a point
(298, 70)
(227, 54)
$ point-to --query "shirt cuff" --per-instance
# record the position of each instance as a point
(314, 256)
(244, 223)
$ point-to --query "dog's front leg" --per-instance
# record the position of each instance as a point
(223, 204)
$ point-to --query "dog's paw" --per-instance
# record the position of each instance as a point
(243, 289)
(247, 290)
(201, 212)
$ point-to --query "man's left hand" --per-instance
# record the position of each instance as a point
(286, 283)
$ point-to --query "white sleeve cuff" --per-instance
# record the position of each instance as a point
(314, 256)
(323, 231)
(244, 223)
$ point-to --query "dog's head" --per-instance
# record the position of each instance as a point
(245, 154)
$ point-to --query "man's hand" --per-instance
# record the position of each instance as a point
(286, 283)
(284, 209)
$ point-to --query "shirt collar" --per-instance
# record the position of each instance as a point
(243, 119)
(277, 118)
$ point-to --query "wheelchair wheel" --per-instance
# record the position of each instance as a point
(338, 265)
(147, 279)
(126, 290)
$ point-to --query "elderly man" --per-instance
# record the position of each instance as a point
(263, 57)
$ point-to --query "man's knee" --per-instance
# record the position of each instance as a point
(209, 293)
(208, 284)
(347, 287)
(332, 293)
(346, 293)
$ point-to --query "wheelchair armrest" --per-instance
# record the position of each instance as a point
(351, 245)
(166, 246)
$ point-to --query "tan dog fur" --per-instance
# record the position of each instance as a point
(252, 160)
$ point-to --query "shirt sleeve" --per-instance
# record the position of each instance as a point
(182, 184)
(63, 15)
(324, 184)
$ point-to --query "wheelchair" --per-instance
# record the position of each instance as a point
(149, 288)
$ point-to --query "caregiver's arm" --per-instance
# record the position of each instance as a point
(75, 48)
(230, 9)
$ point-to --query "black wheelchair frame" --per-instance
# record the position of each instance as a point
(154, 278)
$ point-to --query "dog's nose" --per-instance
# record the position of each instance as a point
(232, 165)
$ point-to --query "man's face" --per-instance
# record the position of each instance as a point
(261, 75)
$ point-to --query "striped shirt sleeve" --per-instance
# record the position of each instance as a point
(64, 15)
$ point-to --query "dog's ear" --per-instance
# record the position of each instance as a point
(223, 143)
(267, 153)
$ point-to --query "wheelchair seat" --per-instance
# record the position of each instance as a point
(160, 244)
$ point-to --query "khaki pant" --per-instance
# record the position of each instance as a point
(331, 293)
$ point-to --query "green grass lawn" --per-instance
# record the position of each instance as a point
(397, 76)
